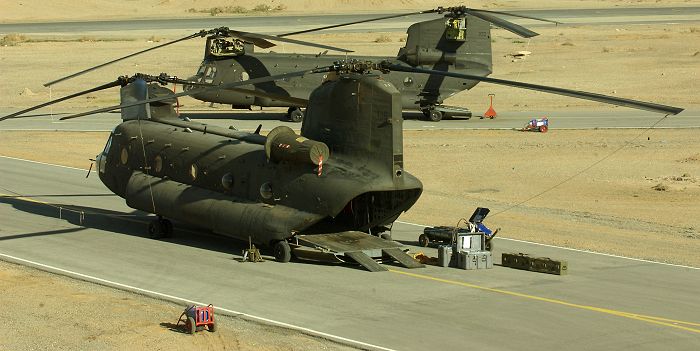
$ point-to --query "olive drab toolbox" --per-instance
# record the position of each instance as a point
(474, 260)
(534, 264)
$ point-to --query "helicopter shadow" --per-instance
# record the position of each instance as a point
(133, 223)
(412, 116)
(266, 116)
(274, 116)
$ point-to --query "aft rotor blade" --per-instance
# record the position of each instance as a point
(516, 15)
(499, 22)
(204, 90)
(642, 105)
(354, 22)
(98, 88)
(261, 40)
(121, 58)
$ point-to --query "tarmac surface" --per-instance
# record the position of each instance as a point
(249, 121)
(284, 24)
(53, 218)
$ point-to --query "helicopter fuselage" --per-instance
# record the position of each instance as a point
(245, 185)
(461, 45)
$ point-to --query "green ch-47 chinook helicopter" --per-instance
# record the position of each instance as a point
(328, 192)
(459, 42)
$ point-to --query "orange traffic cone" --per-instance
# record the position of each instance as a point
(490, 113)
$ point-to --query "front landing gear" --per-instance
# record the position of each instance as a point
(160, 228)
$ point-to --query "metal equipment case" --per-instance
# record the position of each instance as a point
(474, 260)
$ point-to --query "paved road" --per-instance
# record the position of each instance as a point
(605, 303)
(283, 24)
(608, 118)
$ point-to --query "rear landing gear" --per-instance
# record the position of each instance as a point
(160, 228)
(283, 253)
(432, 115)
(295, 114)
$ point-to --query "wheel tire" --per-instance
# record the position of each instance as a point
(212, 326)
(435, 116)
(543, 129)
(423, 240)
(166, 227)
(155, 229)
(296, 115)
(191, 325)
(283, 253)
(385, 236)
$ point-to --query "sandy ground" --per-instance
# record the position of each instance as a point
(58, 313)
(640, 201)
(65, 10)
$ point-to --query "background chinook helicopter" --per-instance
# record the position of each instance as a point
(459, 42)
(342, 177)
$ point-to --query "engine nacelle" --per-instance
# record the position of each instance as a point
(284, 145)
(426, 56)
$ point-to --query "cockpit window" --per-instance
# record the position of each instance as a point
(109, 142)
(209, 74)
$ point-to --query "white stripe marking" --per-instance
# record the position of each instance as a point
(44, 163)
(577, 250)
(181, 299)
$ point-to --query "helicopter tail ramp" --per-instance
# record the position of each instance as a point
(357, 247)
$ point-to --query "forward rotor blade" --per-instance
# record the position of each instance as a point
(261, 40)
(98, 88)
(122, 58)
(642, 105)
(355, 22)
(198, 91)
(499, 22)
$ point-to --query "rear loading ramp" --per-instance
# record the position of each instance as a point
(357, 247)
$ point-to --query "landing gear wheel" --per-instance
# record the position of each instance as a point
(295, 115)
(385, 236)
(423, 240)
(212, 326)
(543, 129)
(155, 229)
(190, 325)
(283, 253)
(166, 227)
(160, 228)
(435, 116)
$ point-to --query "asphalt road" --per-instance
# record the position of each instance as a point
(283, 24)
(604, 303)
(249, 121)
